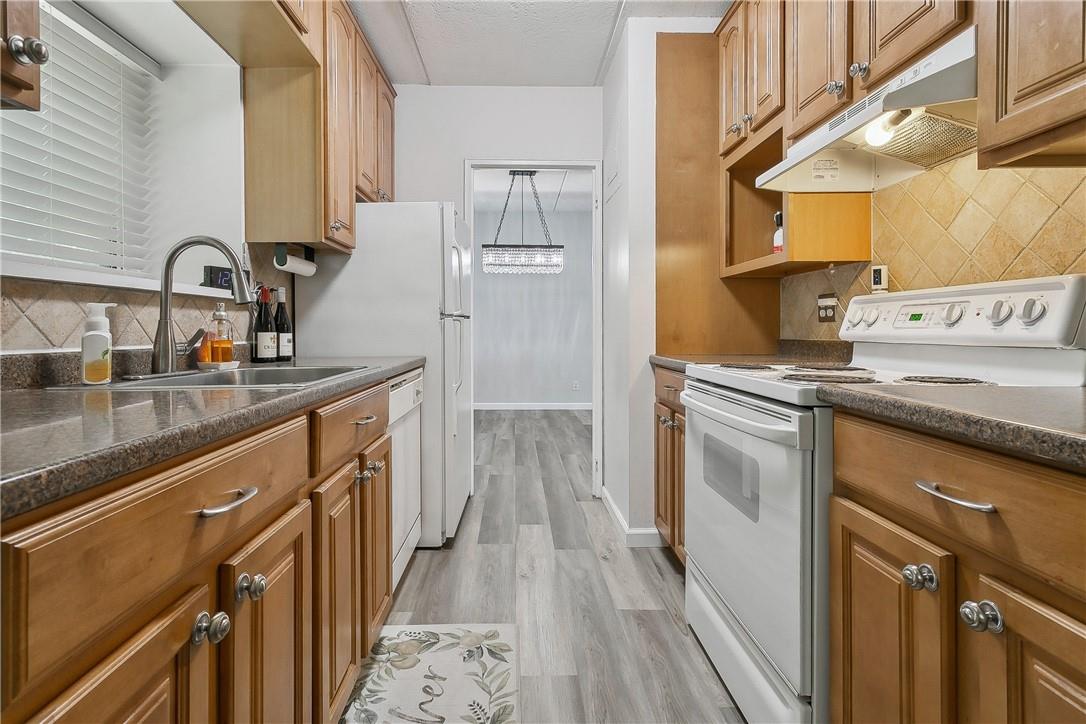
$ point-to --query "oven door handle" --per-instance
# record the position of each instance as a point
(781, 434)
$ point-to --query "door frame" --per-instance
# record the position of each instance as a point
(596, 167)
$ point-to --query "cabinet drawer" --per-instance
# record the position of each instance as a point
(70, 578)
(344, 427)
(668, 386)
(1039, 513)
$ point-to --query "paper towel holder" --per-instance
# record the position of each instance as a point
(281, 252)
(293, 264)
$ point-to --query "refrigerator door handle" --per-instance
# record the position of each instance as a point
(459, 353)
(459, 278)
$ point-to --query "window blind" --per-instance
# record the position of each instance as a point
(75, 177)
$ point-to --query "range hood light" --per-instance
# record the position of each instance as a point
(882, 130)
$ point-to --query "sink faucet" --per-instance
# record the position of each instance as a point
(163, 357)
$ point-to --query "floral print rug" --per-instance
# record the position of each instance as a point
(435, 674)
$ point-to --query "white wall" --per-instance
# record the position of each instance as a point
(533, 332)
(439, 127)
(629, 222)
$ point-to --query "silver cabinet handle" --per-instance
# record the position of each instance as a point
(933, 489)
(920, 577)
(859, 70)
(244, 496)
(368, 419)
(747, 118)
(213, 628)
(835, 87)
(376, 467)
(28, 51)
(983, 616)
(255, 587)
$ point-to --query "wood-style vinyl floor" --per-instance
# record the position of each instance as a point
(601, 631)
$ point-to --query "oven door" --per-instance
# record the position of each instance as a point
(748, 517)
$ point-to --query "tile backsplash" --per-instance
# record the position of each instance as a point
(42, 315)
(955, 225)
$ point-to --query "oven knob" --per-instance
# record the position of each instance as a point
(871, 316)
(1031, 312)
(953, 314)
(1000, 312)
(855, 316)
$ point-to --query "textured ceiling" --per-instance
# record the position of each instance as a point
(558, 190)
(505, 42)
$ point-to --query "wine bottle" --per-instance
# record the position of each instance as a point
(283, 328)
(267, 346)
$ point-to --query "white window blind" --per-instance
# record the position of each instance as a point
(75, 177)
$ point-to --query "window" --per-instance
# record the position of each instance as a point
(75, 184)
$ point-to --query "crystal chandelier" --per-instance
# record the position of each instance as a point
(523, 258)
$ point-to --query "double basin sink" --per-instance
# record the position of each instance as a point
(241, 378)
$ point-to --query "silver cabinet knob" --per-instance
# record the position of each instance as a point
(253, 586)
(983, 616)
(376, 467)
(359, 477)
(28, 51)
(213, 628)
(859, 70)
(835, 87)
(734, 128)
(920, 577)
(335, 226)
(747, 118)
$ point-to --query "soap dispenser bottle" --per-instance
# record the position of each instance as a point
(97, 346)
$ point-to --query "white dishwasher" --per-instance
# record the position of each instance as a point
(405, 426)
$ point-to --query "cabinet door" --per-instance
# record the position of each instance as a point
(678, 467)
(663, 472)
(366, 119)
(891, 645)
(1031, 69)
(376, 464)
(337, 562)
(765, 60)
(386, 139)
(158, 675)
(817, 53)
(339, 120)
(266, 661)
(733, 80)
(1034, 670)
(21, 84)
(886, 34)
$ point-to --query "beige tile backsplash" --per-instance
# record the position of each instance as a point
(41, 315)
(955, 225)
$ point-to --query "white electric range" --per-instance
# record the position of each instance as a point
(759, 467)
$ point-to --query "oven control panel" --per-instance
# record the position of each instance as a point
(1045, 312)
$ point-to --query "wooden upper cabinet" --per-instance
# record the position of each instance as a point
(266, 662)
(20, 84)
(817, 56)
(664, 472)
(891, 644)
(733, 78)
(764, 61)
(337, 548)
(1031, 82)
(386, 139)
(366, 120)
(888, 33)
(376, 462)
(158, 675)
(339, 131)
(1034, 670)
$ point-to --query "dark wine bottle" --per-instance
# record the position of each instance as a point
(266, 345)
(284, 330)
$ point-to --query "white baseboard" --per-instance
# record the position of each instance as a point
(532, 406)
(635, 537)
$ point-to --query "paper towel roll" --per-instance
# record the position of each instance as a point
(297, 265)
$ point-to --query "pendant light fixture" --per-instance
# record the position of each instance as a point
(523, 258)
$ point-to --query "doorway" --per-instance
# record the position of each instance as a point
(538, 339)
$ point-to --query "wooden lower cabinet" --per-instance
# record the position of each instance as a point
(376, 462)
(158, 675)
(678, 468)
(663, 476)
(892, 656)
(266, 660)
(669, 482)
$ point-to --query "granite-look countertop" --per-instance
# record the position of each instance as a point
(60, 441)
(1045, 424)
(791, 351)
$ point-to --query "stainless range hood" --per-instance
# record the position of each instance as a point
(923, 117)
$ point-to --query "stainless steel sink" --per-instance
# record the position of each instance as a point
(242, 378)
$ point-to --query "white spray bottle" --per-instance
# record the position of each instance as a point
(97, 346)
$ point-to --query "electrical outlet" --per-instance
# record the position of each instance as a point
(827, 307)
(880, 278)
(576, 386)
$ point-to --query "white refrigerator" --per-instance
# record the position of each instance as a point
(406, 290)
